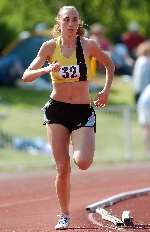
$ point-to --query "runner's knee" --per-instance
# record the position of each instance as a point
(82, 161)
(83, 165)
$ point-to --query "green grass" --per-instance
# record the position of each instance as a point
(111, 144)
(24, 119)
(17, 97)
(12, 160)
(121, 91)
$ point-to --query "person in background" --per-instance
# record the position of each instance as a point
(97, 33)
(141, 71)
(132, 38)
(143, 109)
(121, 58)
(69, 114)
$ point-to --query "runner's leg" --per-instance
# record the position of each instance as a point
(83, 141)
(59, 138)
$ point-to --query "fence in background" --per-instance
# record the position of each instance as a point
(123, 114)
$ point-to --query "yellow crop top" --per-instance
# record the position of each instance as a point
(69, 71)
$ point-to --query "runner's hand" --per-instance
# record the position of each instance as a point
(102, 99)
(55, 67)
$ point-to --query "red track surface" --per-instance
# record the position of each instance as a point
(28, 201)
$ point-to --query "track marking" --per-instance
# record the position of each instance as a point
(95, 222)
(117, 198)
(92, 209)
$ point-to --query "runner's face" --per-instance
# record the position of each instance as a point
(69, 22)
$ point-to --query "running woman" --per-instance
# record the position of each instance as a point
(68, 114)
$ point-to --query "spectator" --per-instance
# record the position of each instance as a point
(121, 58)
(97, 32)
(143, 108)
(141, 72)
(132, 38)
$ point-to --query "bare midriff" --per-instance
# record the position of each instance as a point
(74, 93)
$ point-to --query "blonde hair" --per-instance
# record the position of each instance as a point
(56, 29)
(143, 48)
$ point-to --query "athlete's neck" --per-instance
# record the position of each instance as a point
(68, 41)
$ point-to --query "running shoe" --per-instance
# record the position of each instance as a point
(63, 222)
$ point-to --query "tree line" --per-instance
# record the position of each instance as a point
(21, 15)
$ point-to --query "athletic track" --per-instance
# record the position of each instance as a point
(28, 201)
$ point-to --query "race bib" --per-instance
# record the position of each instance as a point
(70, 71)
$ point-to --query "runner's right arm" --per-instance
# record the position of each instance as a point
(35, 69)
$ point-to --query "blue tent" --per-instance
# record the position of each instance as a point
(23, 54)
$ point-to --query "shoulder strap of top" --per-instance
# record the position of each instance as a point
(56, 50)
(81, 60)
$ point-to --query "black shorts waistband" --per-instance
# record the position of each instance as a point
(51, 100)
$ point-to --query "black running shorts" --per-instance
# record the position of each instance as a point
(72, 116)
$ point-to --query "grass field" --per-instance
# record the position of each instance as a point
(23, 118)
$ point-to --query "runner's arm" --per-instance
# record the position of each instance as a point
(35, 69)
(104, 59)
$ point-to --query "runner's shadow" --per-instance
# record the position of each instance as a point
(83, 228)
(138, 226)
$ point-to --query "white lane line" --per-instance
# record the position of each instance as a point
(113, 200)
(95, 222)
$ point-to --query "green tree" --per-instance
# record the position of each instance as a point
(20, 15)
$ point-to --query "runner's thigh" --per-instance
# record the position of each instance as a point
(59, 137)
(83, 141)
